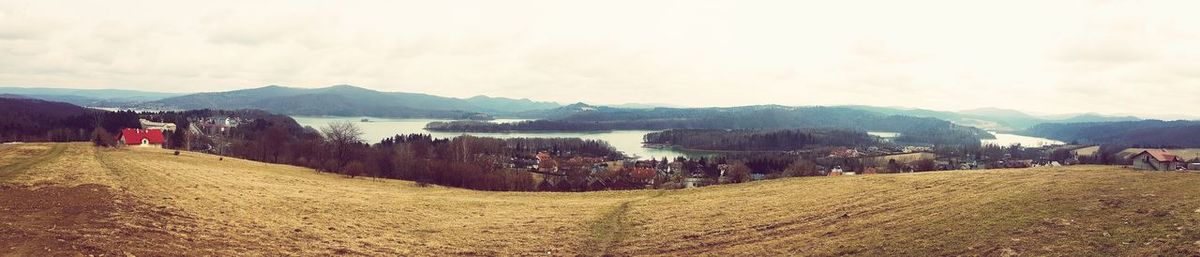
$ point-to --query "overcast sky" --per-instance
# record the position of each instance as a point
(1139, 57)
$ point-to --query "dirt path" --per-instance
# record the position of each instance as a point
(611, 228)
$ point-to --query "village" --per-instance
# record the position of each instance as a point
(568, 171)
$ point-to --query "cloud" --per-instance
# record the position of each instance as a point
(1061, 56)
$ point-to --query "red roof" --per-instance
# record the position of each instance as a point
(1161, 155)
(134, 136)
(642, 173)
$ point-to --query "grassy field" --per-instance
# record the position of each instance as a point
(882, 161)
(62, 199)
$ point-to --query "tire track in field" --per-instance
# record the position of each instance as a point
(22, 165)
(611, 228)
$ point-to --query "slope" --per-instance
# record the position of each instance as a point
(196, 204)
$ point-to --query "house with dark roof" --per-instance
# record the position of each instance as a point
(1156, 159)
(140, 137)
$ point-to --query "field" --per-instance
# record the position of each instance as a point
(64, 199)
(882, 161)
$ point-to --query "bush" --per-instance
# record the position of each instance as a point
(353, 169)
(102, 138)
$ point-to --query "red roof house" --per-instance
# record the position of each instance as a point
(1156, 159)
(142, 137)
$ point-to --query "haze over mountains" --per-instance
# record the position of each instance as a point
(346, 100)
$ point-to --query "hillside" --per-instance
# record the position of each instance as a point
(346, 100)
(1146, 133)
(88, 97)
(63, 199)
(995, 119)
(26, 119)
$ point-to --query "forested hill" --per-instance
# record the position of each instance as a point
(345, 100)
(760, 140)
(1145, 133)
(994, 118)
(589, 118)
(24, 119)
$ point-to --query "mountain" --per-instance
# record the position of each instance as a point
(17, 107)
(995, 119)
(88, 97)
(562, 112)
(346, 100)
(642, 105)
(509, 105)
(1143, 133)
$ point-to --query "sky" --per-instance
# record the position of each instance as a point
(1114, 57)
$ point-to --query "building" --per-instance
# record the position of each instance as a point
(140, 137)
(842, 152)
(1156, 159)
(1194, 166)
(147, 124)
(694, 182)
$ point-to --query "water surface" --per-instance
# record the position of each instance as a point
(376, 129)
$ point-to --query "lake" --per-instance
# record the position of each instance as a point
(1001, 139)
(1026, 141)
(626, 141)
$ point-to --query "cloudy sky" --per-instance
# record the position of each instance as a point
(1137, 57)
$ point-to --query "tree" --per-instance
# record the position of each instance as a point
(800, 168)
(924, 165)
(354, 169)
(101, 137)
(894, 167)
(342, 135)
(273, 141)
(738, 172)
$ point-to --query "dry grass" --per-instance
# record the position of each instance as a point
(882, 161)
(256, 208)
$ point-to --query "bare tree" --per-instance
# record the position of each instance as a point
(342, 136)
(738, 172)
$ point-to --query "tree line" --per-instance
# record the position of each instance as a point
(927, 131)
(30, 120)
(759, 140)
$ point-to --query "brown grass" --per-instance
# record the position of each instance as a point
(882, 161)
(238, 207)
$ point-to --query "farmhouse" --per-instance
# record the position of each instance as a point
(147, 124)
(140, 137)
(1156, 159)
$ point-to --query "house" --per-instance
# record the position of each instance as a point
(693, 182)
(1156, 159)
(842, 152)
(836, 171)
(140, 137)
(545, 163)
(147, 124)
(642, 175)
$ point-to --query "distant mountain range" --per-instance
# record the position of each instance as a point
(995, 119)
(346, 100)
(88, 97)
(341, 100)
(1142, 133)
